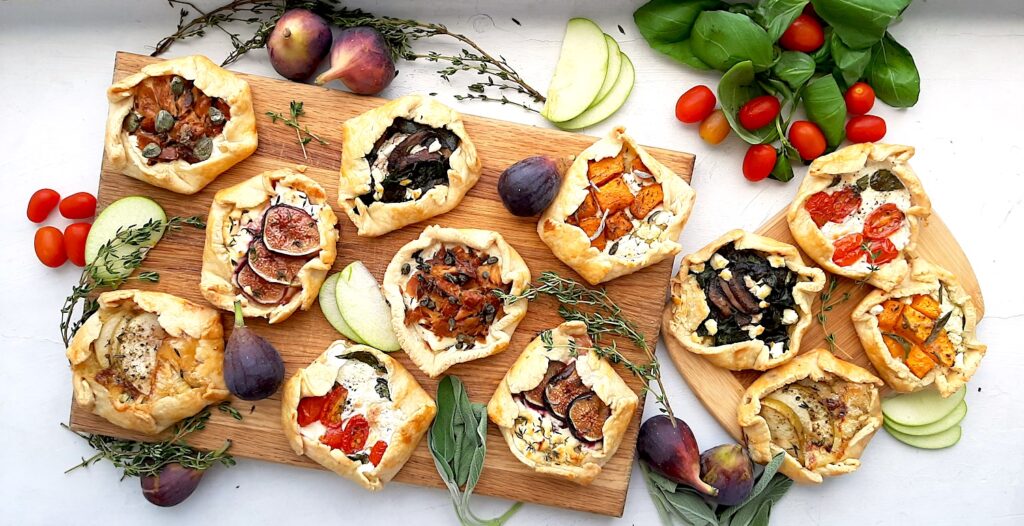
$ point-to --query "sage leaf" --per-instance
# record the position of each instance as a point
(736, 87)
(666, 26)
(722, 39)
(893, 74)
(692, 507)
(769, 471)
(794, 68)
(777, 15)
(825, 106)
(851, 63)
(859, 23)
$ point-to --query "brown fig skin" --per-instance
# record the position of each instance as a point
(728, 468)
(171, 486)
(298, 44)
(672, 452)
(361, 59)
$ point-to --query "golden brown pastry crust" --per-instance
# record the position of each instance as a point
(513, 271)
(174, 396)
(318, 378)
(528, 371)
(818, 365)
(358, 137)
(571, 244)
(687, 307)
(236, 142)
(924, 279)
(845, 161)
(217, 281)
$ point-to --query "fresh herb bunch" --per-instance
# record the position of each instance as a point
(262, 15)
(295, 108)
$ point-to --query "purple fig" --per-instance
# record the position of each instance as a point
(527, 187)
(253, 369)
(298, 44)
(672, 452)
(172, 485)
(728, 468)
(361, 59)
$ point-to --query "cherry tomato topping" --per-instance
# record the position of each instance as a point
(804, 34)
(865, 128)
(759, 161)
(881, 251)
(819, 206)
(859, 98)
(715, 128)
(49, 244)
(848, 250)
(354, 434)
(844, 203)
(310, 408)
(759, 112)
(41, 204)
(78, 206)
(695, 105)
(883, 221)
(333, 437)
(377, 452)
(74, 242)
(808, 140)
(330, 416)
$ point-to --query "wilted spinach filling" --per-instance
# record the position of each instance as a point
(411, 165)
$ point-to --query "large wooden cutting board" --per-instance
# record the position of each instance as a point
(305, 335)
(720, 390)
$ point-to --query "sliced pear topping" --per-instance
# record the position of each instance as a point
(785, 427)
(139, 342)
(106, 344)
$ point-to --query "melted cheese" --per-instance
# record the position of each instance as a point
(544, 440)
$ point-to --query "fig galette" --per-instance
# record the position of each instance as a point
(562, 409)
(269, 243)
(180, 123)
(401, 163)
(145, 360)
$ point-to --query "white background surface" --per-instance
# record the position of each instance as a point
(55, 63)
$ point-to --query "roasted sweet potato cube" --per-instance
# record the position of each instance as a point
(895, 348)
(890, 314)
(617, 226)
(914, 326)
(614, 196)
(590, 226)
(588, 208)
(604, 170)
(639, 166)
(647, 199)
(926, 305)
(919, 362)
(942, 349)
(599, 242)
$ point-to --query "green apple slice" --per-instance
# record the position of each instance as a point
(609, 104)
(614, 66)
(329, 306)
(940, 440)
(127, 212)
(921, 408)
(364, 309)
(938, 426)
(580, 72)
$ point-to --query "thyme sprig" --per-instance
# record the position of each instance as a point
(295, 108)
(828, 303)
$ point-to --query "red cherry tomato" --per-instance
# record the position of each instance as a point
(49, 244)
(74, 242)
(848, 250)
(859, 98)
(883, 221)
(881, 251)
(310, 408)
(759, 112)
(41, 204)
(804, 34)
(844, 203)
(865, 128)
(695, 105)
(819, 206)
(808, 140)
(333, 437)
(377, 452)
(330, 415)
(354, 434)
(78, 206)
(758, 162)
(715, 128)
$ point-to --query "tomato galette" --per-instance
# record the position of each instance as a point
(562, 408)
(145, 360)
(618, 211)
(858, 212)
(743, 301)
(922, 332)
(180, 123)
(269, 244)
(356, 411)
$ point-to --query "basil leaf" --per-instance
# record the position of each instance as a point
(666, 26)
(825, 106)
(859, 23)
(884, 181)
(823, 55)
(366, 357)
(743, 8)
(852, 63)
(783, 170)
(893, 74)
(777, 15)
(722, 39)
(736, 87)
(794, 68)
(382, 388)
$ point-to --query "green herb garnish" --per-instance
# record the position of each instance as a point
(295, 108)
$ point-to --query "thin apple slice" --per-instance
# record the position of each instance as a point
(364, 309)
(921, 408)
(106, 344)
(940, 440)
(938, 426)
(580, 72)
(609, 104)
(784, 425)
(614, 66)
(329, 306)
(127, 212)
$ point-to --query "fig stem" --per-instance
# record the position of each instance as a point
(239, 319)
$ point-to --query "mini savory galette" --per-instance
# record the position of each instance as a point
(357, 412)
(562, 409)
(618, 211)
(743, 301)
(269, 244)
(406, 161)
(922, 332)
(817, 409)
(145, 360)
(442, 291)
(180, 123)
(858, 212)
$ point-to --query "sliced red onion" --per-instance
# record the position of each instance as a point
(642, 175)
(600, 229)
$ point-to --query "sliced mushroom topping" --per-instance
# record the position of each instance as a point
(259, 289)
(587, 415)
(290, 231)
(563, 389)
(739, 296)
(535, 396)
(273, 267)
(419, 162)
(718, 299)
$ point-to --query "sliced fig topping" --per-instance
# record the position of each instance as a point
(290, 231)
(562, 389)
(273, 267)
(587, 414)
(535, 396)
(259, 289)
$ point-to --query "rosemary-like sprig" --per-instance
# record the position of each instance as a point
(295, 108)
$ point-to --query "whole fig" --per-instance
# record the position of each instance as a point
(299, 42)
(253, 369)
(527, 187)
(361, 59)
(171, 486)
(728, 468)
(672, 452)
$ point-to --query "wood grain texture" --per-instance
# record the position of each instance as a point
(178, 259)
(720, 390)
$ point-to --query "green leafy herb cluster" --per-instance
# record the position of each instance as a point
(741, 40)
(295, 108)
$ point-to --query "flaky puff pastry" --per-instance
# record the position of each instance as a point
(236, 142)
(407, 396)
(846, 161)
(925, 278)
(513, 272)
(571, 244)
(821, 367)
(217, 280)
(359, 134)
(687, 307)
(527, 373)
(188, 370)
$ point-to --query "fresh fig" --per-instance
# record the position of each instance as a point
(171, 486)
(527, 187)
(253, 369)
(728, 468)
(672, 452)
(298, 44)
(361, 59)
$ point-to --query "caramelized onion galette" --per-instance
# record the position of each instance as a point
(269, 244)
(562, 409)
(818, 410)
(443, 292)
(180, 123)
(356, 411)
(618, 211)
(145, 360)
